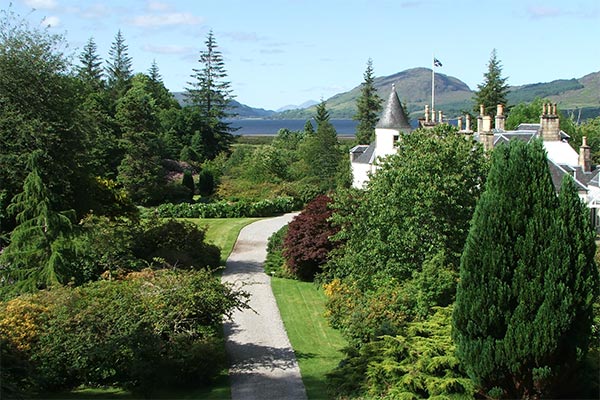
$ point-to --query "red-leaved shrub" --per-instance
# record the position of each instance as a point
(307, 245)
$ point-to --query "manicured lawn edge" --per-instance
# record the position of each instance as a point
(316, 344)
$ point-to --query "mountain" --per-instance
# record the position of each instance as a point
(302, 106)
(454, 96)
(242, 110)
(413, 87)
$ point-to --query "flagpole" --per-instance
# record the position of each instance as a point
(433, 87)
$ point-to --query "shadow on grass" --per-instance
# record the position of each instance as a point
(301, 355)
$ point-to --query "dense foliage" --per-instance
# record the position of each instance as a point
(528, 280)
(148, 331)
(307, 243)
(275, 262)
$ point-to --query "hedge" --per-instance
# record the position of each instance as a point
(226, 209)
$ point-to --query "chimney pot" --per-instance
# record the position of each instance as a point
(481, 110)
(459, 123)
(440, 117)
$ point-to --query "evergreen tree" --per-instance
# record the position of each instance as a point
(368, 105)
(322, 115)
(210, 95)
(321, 153)
(309, 129)
(140, 171)
(527, 279)
(90, 69)
(118, 70)
(188, 182)
(493, 90)
(38, 253)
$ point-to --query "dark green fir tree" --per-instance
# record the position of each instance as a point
(369, 106)
(493, 90)
(527, 279)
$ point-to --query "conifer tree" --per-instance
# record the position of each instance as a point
(322, 115)
(309, 129)
(38, 253)
(90, 68)
(493, 90)
(211, 95)
(368, 105)
(527, 278)
(118, 70)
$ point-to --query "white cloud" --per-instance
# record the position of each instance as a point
(41, 4)
(168, 49)
(153, 5)
(156, 21)
(51, 22)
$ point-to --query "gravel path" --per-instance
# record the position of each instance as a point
(263, 363)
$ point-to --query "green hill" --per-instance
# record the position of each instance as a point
(454, 96)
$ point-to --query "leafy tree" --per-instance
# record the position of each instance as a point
(206, 182)
(368, 105)
(307, 242)
(118, 70)
(210, 96)
(40, 110)
(90, 68)
(40, 248)
(493, 90)
(527, 280)
(418, 202)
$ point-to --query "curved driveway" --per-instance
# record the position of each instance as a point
(262, 362)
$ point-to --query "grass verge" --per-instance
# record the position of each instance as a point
(316, 344)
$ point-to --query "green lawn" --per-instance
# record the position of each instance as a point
(222, 232)
(316, 344)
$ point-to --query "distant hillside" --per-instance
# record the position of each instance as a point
(306, 104)
(413, 87)
(242, 110)
(454, 96)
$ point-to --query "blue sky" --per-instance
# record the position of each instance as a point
(280, 52)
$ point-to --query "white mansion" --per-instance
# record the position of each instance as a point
(562, 158)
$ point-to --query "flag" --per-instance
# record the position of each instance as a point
(436, 62)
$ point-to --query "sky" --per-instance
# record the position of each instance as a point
(281, 52)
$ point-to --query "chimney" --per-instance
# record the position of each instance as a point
(487, 124)
(459, 123)
(585, 156)
(480, 119)
(500, 117)
(549, 123)
(441, 117)
(426, 113)
(468, 123)
(432, 116)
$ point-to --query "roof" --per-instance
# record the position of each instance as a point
(561, 152)
(393, 114)
(367, 156)
(558, 173)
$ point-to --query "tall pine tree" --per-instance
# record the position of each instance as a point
(527, 280)
(493, 90)
(368, 105)
(118, 70)
(211, 95)
(90, 68)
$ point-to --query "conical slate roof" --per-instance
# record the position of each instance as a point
(393, 114)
